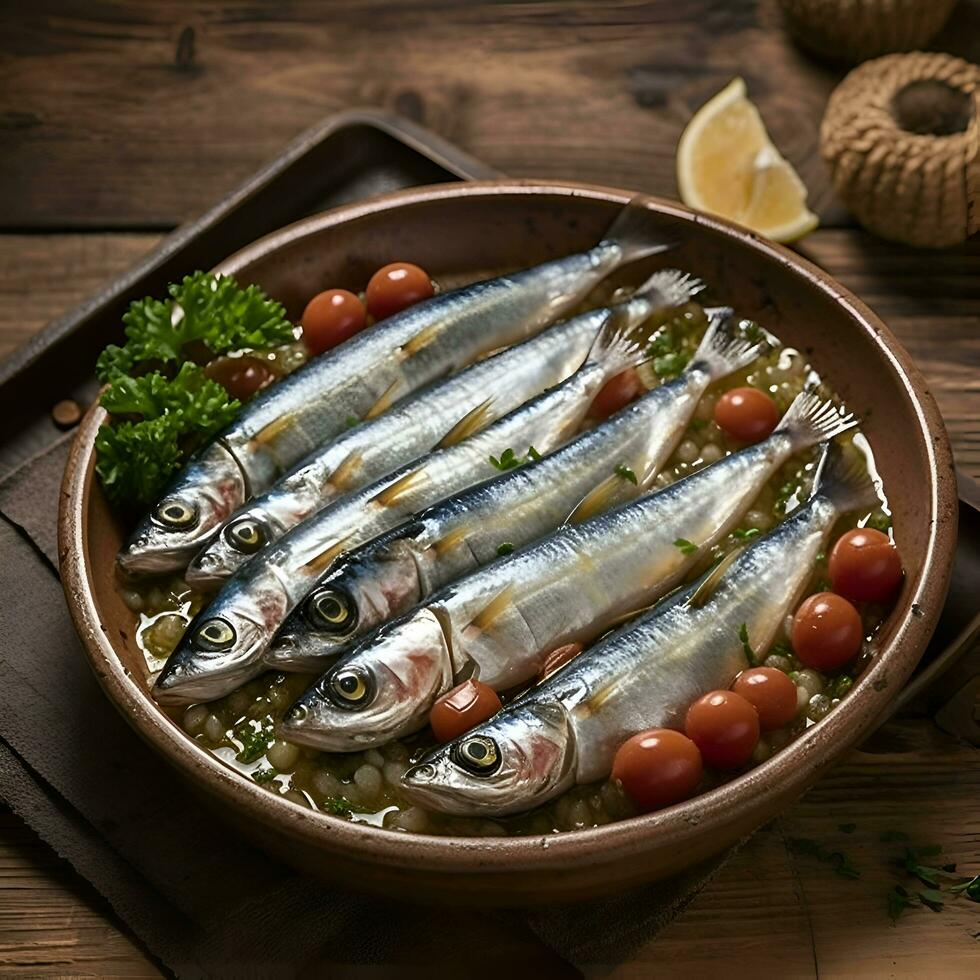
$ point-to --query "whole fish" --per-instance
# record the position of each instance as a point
(500, 623)
(389, 575)
(448, 410)
(225, 642)
(364, 376)
(567, 729)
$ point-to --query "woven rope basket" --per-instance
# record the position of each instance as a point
(852, 30)
(901, 135)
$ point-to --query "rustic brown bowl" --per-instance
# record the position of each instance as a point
(459, 232)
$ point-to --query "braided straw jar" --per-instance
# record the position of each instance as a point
(852, 30)
(920, 187)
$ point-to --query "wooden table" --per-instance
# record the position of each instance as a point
(119, 120)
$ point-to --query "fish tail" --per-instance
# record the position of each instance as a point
(614, 350)
(669, 287)
(638, 231)
(721, 350)
(813, 418)
(843, 478)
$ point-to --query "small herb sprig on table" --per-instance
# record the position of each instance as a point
(161, 403)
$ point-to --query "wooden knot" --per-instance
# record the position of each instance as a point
(853, 30)
(901, 136)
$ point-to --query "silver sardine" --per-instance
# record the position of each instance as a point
(386, 577)
(365, 375)
(448, 410)
(501, 622)
(224, 644)
(567, 730)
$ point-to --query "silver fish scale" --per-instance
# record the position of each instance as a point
(571, 586)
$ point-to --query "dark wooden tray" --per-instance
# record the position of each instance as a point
(346, 158)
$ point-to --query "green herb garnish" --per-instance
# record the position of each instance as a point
(533, 454)
(625, 473)
(686, 547)
(879, 521)
(255, 741)
(509, 460)
(746, 533)
(750, 654)
(264, 776)
(351, 421)
(504, 549)
(340, 806)
(670, 365)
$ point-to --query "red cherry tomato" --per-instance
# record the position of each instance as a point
(658, 768)
(865, 565)
(615, 394)
(458, 710)
(330, 318)
(394, 287)
(558, 658)
(241, 377)
(725, 727)
(771, 693)
(746, 414)
(826, 632)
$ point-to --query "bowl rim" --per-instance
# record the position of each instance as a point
(784, 776)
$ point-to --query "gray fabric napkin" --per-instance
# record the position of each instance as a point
(203, 900)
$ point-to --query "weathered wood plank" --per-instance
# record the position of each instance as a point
(124, 114)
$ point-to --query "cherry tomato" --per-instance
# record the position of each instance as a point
(242, 376)
(771, 693)
(558, 658)
(746, 414)
(658, 768)
(725, 727)
(615, 394)
(396, 286)
(865, 565)
(330, 318)
(826, 631)
(458, 710)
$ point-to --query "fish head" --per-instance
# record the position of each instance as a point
(224, 643)
(361, 591)
(187, 515)
(246, 533)
(521, 758)
(384, 689)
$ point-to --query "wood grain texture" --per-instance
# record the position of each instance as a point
(123, 114)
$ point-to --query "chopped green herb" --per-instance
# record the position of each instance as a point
(746, 533)
(838, 860)
(752, 331)
(533, 454)
(783, 496)
(507, 460)
(340, 806)
(625, 473)
(504, 549)
(839, 686)
(879, 521)
(670, 365)
(821, 555)
(255, 741)
(663, 343)
(352, 420)
(750, 654)
(686, 547)
(264, 775)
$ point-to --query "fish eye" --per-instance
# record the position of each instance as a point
(350, 687)
(478, 754)
(246, 535)
(331, 610)
(176, 515)
(215, 634)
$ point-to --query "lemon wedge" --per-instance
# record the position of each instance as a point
(727, 165)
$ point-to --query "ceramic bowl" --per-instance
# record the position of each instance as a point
(460, 232)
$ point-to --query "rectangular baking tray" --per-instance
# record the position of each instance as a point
(348, 157)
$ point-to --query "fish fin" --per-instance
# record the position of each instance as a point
(449, 541)
(343, 476)
(387, 399)
(471, 423)
(639, 231)
(813, 418)
(321, 562)
(706, 587)
(275, 428)
(722, 351)
(598, 500)
(843, 478)
(614, 350)
(403, 485)
(422, 339)
(492, 611)
(669, 287)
